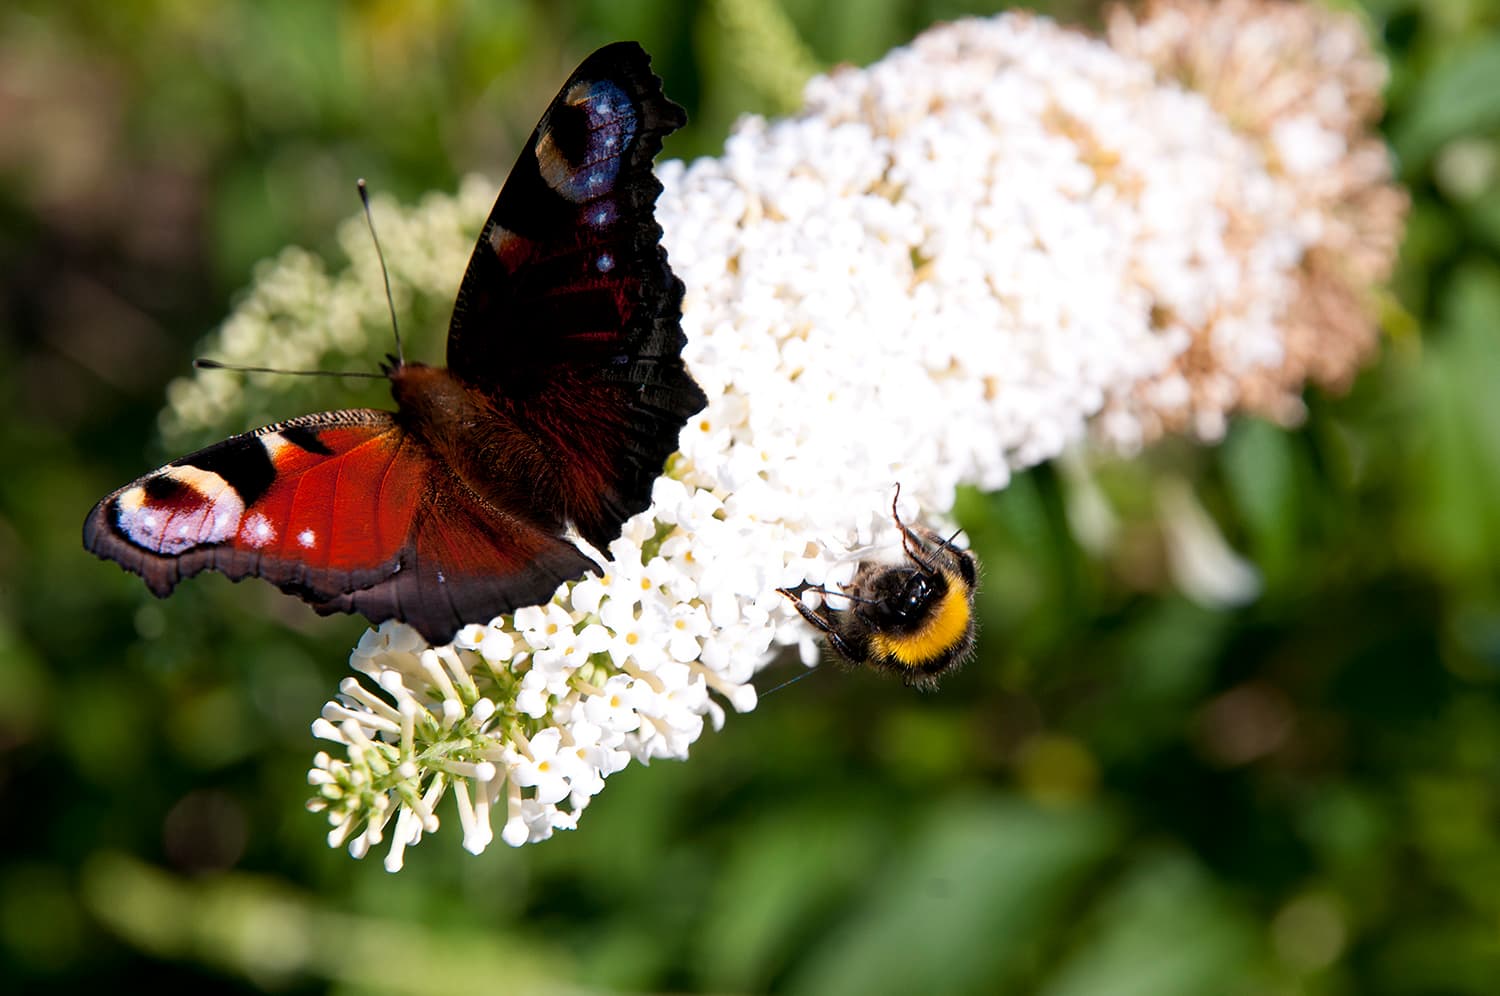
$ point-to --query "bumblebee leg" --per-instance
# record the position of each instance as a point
(811, 616)
(840, 647)
(820, 621)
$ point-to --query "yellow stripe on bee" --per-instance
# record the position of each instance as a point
(946, 627)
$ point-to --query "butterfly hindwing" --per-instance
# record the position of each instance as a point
(569, 316)
(344, 509)
(465, 563)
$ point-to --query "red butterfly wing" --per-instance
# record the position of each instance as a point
(569, 319)
(346, 510)
(466, 562)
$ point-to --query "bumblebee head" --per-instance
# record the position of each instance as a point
(900, 599)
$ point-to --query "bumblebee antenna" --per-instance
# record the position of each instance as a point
(919, 556)
(795, 678)
(205, 364)
(364, 198)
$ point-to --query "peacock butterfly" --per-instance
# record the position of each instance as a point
(564, 394)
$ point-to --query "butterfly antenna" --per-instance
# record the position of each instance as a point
(204, 364)
(390, 302)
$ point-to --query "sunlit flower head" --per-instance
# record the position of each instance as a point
(1301, 83)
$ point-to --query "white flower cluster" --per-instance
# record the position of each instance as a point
(534, 724)
(938, 274)
(535, 710)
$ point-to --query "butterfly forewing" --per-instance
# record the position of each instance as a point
(571, 250)
(569, 316)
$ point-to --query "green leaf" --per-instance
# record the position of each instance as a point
(786, 870)
(1137, 938)
(967, 905)
(1258, 465)
(1457, 471)
(1458, 98)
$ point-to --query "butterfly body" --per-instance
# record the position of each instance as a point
(563, 396)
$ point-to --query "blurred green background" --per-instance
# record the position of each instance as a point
(1126, 794)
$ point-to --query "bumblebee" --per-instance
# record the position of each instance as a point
(915, 618)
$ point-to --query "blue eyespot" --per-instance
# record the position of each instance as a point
(604, 130)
